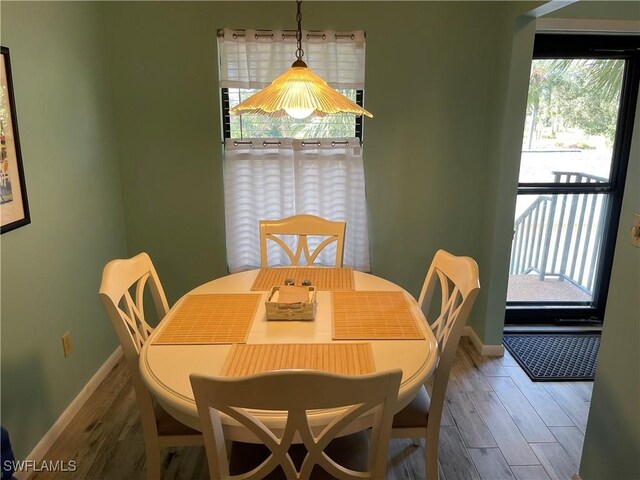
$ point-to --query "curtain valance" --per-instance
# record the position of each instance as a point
(253, 58)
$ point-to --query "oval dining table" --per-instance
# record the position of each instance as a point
(165, 369)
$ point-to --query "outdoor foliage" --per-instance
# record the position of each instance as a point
(258, 126)
(579, 93)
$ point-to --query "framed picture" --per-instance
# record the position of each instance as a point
(14, 209)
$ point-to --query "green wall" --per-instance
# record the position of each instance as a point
(435, 80)
(487, 319)
(612, 441)
(51, 268)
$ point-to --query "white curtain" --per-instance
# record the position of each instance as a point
(253, 58)
(264, 180)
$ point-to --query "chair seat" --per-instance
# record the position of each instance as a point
(351, 451)
(169, 426)
(416, 414)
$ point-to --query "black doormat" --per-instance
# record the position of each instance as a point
(555, 357)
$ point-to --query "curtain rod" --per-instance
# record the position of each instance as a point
(287, 34)
(279, 144)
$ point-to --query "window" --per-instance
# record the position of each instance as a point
(254, 126)
(278, 167)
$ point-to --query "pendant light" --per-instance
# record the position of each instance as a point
(298, 92)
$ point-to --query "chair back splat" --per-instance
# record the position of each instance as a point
(302, 226)
(457, 278)
(297, 392)
(122, 292)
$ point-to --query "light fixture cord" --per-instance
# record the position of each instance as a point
(299, 51)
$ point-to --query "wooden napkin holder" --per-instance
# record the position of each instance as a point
(290, 311)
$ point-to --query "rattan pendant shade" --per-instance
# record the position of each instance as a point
(299, 93)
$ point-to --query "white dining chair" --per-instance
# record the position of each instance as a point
(302, 226)
(122, 293)
(458, 281)
(298, 392)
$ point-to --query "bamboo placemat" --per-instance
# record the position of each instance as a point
(373, 316)
(340, 358)
(213, 318)
(323, 278)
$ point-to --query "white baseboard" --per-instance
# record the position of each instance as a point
(484, 350)
(46, 442)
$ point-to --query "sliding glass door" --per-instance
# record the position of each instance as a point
(582, 97)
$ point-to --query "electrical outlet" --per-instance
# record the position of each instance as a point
(67, 348)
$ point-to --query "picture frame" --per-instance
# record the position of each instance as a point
(14, 206)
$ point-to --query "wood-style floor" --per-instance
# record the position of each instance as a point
(497, 425)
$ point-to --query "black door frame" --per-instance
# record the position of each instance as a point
(573, 46)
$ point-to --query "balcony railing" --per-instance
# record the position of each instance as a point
(559, 235)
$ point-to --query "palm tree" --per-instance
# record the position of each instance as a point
(579, 92)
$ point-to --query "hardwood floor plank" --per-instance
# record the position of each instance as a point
(470, 376)
(441, 475)
(104, 396)
(454, 457)
(540, 399)
(571, 439)
(514, 447)
(105, 438)
(93, 441)
(472, 428)
(456, 384)
(571, 403)
(127, 460)
(530, 472)
(523, 414)
(555, 460)
(507, 359)
(489, 366)
(186, 463)
(582, 389)
(447, 418)
(78, 433)
(397, 450)
(405, 461)
(114, 421)
(132, 429)
(491, 464)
